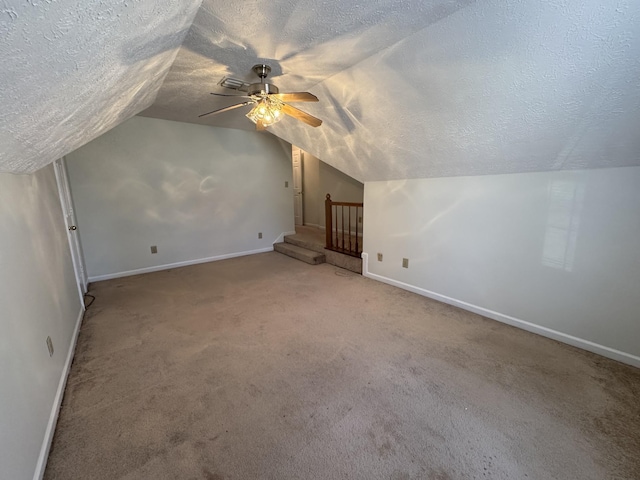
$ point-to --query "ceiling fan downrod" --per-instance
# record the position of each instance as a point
(262, 88)
(262, 71)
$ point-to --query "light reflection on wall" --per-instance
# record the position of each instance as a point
(565, 199)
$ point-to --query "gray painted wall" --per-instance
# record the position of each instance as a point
(38, 297)
(319, 179)
(195, 192)
(548, 252)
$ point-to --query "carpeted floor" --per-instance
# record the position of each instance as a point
(263, 367)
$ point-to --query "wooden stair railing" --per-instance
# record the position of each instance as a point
(339, 234)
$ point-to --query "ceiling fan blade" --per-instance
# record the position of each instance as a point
(226, 95)
(302, 116)
(226, 109)
(260, 126)
(296, 97)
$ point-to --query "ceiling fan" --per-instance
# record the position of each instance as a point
(269, 105)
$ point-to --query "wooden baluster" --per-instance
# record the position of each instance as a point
(338, 229)
(328, 222)
(357, 226)
(342, 224)
(337, 244)
(338, 233)
(350, 229)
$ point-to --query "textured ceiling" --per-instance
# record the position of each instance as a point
(491, 89)
(305, 42)
(73, 69)
(407, 89)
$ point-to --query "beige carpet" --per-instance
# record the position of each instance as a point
(263, 367)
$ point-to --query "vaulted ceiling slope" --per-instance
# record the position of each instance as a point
(408, 89)
(73, 69)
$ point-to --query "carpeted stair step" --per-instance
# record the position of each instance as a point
(303, 254)
(309, 244)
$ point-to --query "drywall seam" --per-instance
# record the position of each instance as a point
(168, 266)
(57, 401)
(514, 322)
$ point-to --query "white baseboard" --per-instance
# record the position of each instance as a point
(280, 238)
(321, 227)
(57, 402)
(515, 322)
(186, 263)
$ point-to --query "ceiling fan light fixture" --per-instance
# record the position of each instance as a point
(267, 111)
(268, 104)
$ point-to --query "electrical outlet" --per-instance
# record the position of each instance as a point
(154, 249)
(379, 257)
(50, 346)
(259, 234)
(286, 184)
(405, 263)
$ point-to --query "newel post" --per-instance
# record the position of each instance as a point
(328, 222)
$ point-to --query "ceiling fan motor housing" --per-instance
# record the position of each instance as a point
(262, 89)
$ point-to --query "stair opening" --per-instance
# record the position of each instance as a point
(308, 245)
